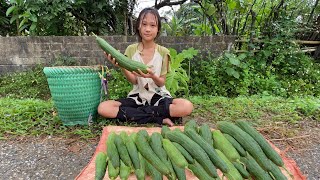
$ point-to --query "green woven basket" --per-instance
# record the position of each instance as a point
(75, 91)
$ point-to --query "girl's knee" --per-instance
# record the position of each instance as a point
(188, 106)
(184, 106)
(102, 107)
(107, 107)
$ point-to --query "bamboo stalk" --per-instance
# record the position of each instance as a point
(308, 50)
(307, 42)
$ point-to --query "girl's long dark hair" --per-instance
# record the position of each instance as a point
(142, 15)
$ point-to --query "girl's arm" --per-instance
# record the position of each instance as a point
(159, 81)
(131, 77)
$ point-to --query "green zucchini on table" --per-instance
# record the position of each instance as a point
(236, 145)
(132, 149)
(221, 143)
(199, 171)
(174, 154)
(194, 150)
(265, 146)
(113, 172)
(122, 150)
(112, 151)
(184, 152)
(254, 168)
(156, 145)
(210, 151)
(101, 165)
(180, 172)
(121, 59)
(146, 151)
(141, 173)
(233, 173)
(153, 172)
(125, 171)
(246, 141)
(205, 132)
(242, 170)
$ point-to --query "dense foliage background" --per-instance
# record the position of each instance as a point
(267, 58)
(269, 75)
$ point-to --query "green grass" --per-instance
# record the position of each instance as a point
(258, 109)
(28, 84)
(35, 117)
(26, 108)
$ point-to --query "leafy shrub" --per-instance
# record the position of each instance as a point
(177, 79)
(118, 85)
(277, 69)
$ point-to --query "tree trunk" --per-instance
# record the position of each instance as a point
(247, 16)
(311, 14)
(253, 20)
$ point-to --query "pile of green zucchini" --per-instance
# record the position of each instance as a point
(236, 149)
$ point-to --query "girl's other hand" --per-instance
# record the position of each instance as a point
(150, 73)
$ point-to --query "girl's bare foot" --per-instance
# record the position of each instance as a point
(168, 122)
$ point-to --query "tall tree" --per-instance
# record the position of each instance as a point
(70, 17)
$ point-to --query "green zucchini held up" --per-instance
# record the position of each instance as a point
(121, 59)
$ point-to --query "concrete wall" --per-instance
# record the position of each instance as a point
(20, 53)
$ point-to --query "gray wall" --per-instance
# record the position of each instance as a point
(20, 53)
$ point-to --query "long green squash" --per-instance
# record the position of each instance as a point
(121, 59)
(246, 141)
(233, 173)
(221, 143)
(112, 151)
(194, 150)
(210, 151)
(265, 146)
(146, 151)
(101, 165)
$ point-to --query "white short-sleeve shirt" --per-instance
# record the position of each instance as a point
(159, 64)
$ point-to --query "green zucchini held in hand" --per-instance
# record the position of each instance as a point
(121, 59)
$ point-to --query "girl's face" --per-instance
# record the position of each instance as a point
(148, 27)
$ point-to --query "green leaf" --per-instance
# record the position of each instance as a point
(33, 26)
(13, 18)
(229, 55)
(190, 53)
(232, 5)
(242, 56)
(33, 18)
(232, 72)
(23, 27)
(209, 8)
(229, 71)
(267, 53)
(10, 10)
(22, 23)
(236, 74)
(234, 61)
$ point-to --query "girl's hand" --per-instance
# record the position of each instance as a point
(112, 60)
(150, 73)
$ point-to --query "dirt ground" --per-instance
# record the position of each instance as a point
(63, 159)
